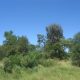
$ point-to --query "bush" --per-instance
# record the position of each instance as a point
(8, 65)
(16, 59)
(31, 60)
(11, 61)
(76, 59)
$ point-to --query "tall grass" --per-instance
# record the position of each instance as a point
(61, 71)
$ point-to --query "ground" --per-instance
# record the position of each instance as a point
(63, 70)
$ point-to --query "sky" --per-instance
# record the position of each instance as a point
(30, 17)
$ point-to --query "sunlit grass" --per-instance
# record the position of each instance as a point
(63, 70)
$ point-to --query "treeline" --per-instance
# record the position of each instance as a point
(17, 51)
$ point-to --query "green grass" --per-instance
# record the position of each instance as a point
(61, 71)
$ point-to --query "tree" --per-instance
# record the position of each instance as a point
(76, 38)
(67, 43)
(22, 44)
(76, 50)
(13, 44)
(41, 40)
(32, 47)
(54, 33)
(9, 43)
(2, 52)
(56, 50)
(10, 39)
(54, 45)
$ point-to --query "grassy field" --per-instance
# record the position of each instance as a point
(61, 71)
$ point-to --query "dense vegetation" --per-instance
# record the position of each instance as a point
(61, 70)
(16, 52)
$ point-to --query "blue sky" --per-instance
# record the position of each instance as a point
(30, 17)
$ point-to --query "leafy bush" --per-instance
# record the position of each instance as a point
(31, 60)
(11, 61)
(76, 59)
(8, 65)
(16, 59)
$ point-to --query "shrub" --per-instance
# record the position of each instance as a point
(8, 65)
(11, 61)
(16, 59)
(76, 59)
(31, 60)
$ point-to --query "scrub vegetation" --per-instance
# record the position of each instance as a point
(53, 58)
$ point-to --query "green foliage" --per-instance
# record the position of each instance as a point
(13, 44)
(76, 50)
(16, 59)
(20, 53)
(76, 54)
(41, 40)
(31, 60)
(8, 65)
(32, 47)
(10, 39)
(9, 44)
(11, 61)
(54, 46)
(54, 33)
(56, 50)
(77, 37)
(22, 45)
(76, 59)
(28, 61)
(63, 71)
(2, 52)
